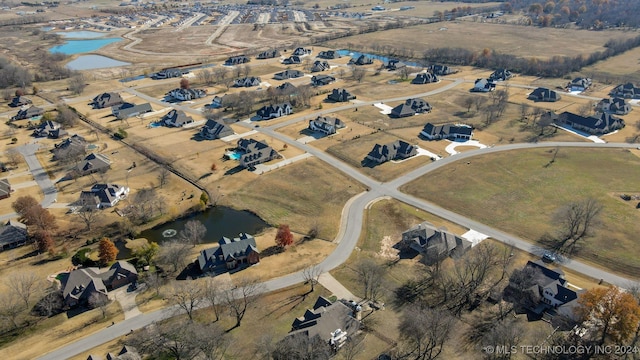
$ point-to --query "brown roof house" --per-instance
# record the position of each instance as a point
(5, 189)
(229, 254)
(12, 235)
(396, 150)
(332, 322)
(82, 283)
(433, 243)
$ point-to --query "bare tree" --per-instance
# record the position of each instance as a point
(246, 70)
(206, 76)
(174, 253)
(404, 72)
(154, 281)
(576, 221)
(214, 290)
(13, 157)
(371, 276)
(193, 233)
(479, 102)
(311, 276)
(187, 295)
(170, 338)
(468, 102)
(352, 347)
(424, 332)
(358, 73)
(301, 347)
(99, 301)
(524, 111)
(87, 213)
(66, 117)
(586, 109)
(77, 84)
(51, 303)
(12, 308)
(242, 297)
(210, 340)
(163, 176)
(25, 285)
(220, 74)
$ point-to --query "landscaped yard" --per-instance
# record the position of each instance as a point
(516, 192)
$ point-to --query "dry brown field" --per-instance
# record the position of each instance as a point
(620, 66)
(525, 41)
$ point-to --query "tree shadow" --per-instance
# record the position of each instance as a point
(190, 271)
(271, 250)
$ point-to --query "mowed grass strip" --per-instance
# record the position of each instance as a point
(302, 194)
(516, 192)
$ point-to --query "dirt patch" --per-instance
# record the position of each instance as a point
(387, 251)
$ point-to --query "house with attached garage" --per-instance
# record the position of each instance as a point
(500, 75)
(340, 95)
(394, 64)
(325, 124)
(73, 145)
(274, 111)
(215, 130)
(237, 60)
(321, 80)
(128, 110)
(176, 118)
(169, 73)
(600, 123)
(579, 84)
(292, 60)
(425, 78)
(5, 189)
(102, 196)
(319, 66)
(247, 82)
(50, 129)
(13, 234)
(217, 102)
(28, 113)
(229, 254)
(106, 100)
(627, 91)
(329, 55)
(483, 85)
(544, 94)
(181, 94)
(83, 283)
(409, 108)
(301, 51)
(396, 150)
(19, 101)
(616, 106)
(288, 74)
(255, 152)
(332, 322)
(269, 54)
(447, 131)
(287, 88)
(92, 163)
(361, 60)
(434, 243)
(441, 69)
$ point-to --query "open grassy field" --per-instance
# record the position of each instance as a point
(525, 41)
(301, 195)
(516, 193)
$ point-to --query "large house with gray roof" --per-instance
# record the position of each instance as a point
(329, 54)
(274, 111)
(319, 66)
(128, 110)
(215, 130)
(247, 82)
(361, 60)
(50, 129)
(434, 243)
(181, 94)
(500, 75)
(396, 150)
(627, 91)
(579, 84)
(229, 254)
(544, 94)
(255, 152)
(69, 147)
(321, 80)
(269, 54)
(106, 100)
(28, 113)
(19, 101)
(325, 124)
(410, 107)
(483, 85)
(101, 196)
(92, 163)
(237, 60)
(340, 95)
(176, 118)
(5, 188)
(616, 106)
(425, 78)
(447, 131)
(597, 124)
(288, 74)
(82, 283)
(13, 234)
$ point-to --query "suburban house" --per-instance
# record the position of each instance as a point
(329, 55)
(255, 152)
(600, 123)
(433, 243)
(332, 322)
(28, 113)
(627, 91)
(105, 100)
(301, 51)
(288, 74)
(340, 95)
(229, 254)
(616, 106)
(215, 130)
(321, 80)
(237, 60)
(269, 54)
(5, 189)
(83, 283)
(19, 101)
(441, 69)
(319, 66)
(396, 150)
(274, 111)
(425, 78)
(50, 129)
(128, 110)
(102, 196)
(409, 108)
(550, 291)
(13, 234)
(187, 94)
(126, 353)
(579, 84)
(176, 118)
(544, 94)
(286, 88)
(75, 144)
(500, 75)
(247, 82)
(325, 124)
(394, 64)
(292, 60)
(483, 85)
(361, 60)
(447, 131)
(169, 73)
(217, 101)
(92, 163)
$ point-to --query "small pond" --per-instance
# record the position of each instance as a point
(81, 34)
(73, 47)
(356, 54)
(88, 62)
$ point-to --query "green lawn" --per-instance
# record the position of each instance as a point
(516, 192)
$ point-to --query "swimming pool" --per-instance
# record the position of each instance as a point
(233, 155)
